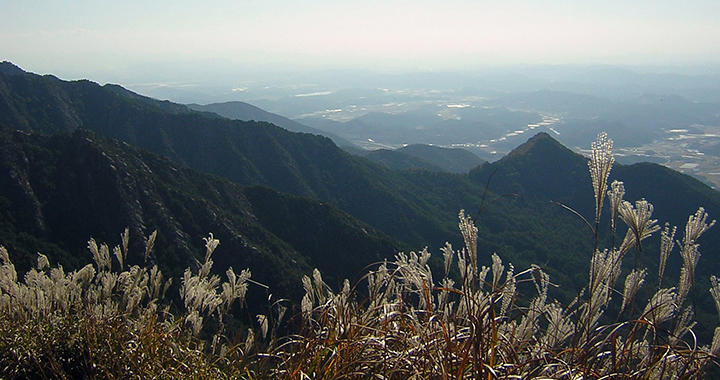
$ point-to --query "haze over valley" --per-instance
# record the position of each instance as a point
(655, 115)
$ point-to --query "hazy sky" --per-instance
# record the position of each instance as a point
(98, 35)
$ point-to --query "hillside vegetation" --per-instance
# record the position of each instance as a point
(490, 320)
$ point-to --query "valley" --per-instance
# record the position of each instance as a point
(670, 122)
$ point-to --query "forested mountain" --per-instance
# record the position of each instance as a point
(421, 156)
(417, 207)
(243, 111)
(58, 191)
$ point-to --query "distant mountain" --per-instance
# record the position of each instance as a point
(58, 191)
(454, 160)
(431, 124)
(395, 160)
(243, 111)
(634, 121)
(428, 157)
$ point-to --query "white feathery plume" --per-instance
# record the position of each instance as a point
(469, 233)
(119, 256)
(615, 196)
(4, 256)
(638, 219)
(683, 325)
(633, 282)
(661, 306)
(42, 262)
(263, 321)
(150, 244)
(715, 346)
(210, 244)
(508, 290)
(320, 286)
(101, 255)
(497, 269)
(249, 341)
(600, 164)
(560, 327)
(667, 243)
(125, 239)
(306, 305)
(715, 292)
(448, 254)
(696, 226)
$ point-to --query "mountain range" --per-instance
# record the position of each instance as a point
(80, 160)
(238, 110)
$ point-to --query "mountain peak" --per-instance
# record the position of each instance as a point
(540, 142)
(9, 68)
(541, 168)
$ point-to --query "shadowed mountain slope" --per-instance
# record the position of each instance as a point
(58, 191)
(428, 157)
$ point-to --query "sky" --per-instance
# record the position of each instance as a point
(75, 37)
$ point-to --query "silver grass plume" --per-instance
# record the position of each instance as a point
(118, 255)
(263, 321)
(249, 341)
(448, 253)
(42, 262)
(715, 346)
(683, 325)
(715, 292)
(601, 161)
(508, 290)
(497, 269)
(667, 243)
(633, 282)
(321, 289)
(150, 244)
(686, 280)
(638, 219)
(661, 306)
(101, 255)
(235, 288)
(210, 245)
(469, 233)
(696, 226)
(125, 238)
(615, 196)
(4, 255)
(560, 327)
(8, 274)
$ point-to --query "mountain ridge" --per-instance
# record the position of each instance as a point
(238, 110)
